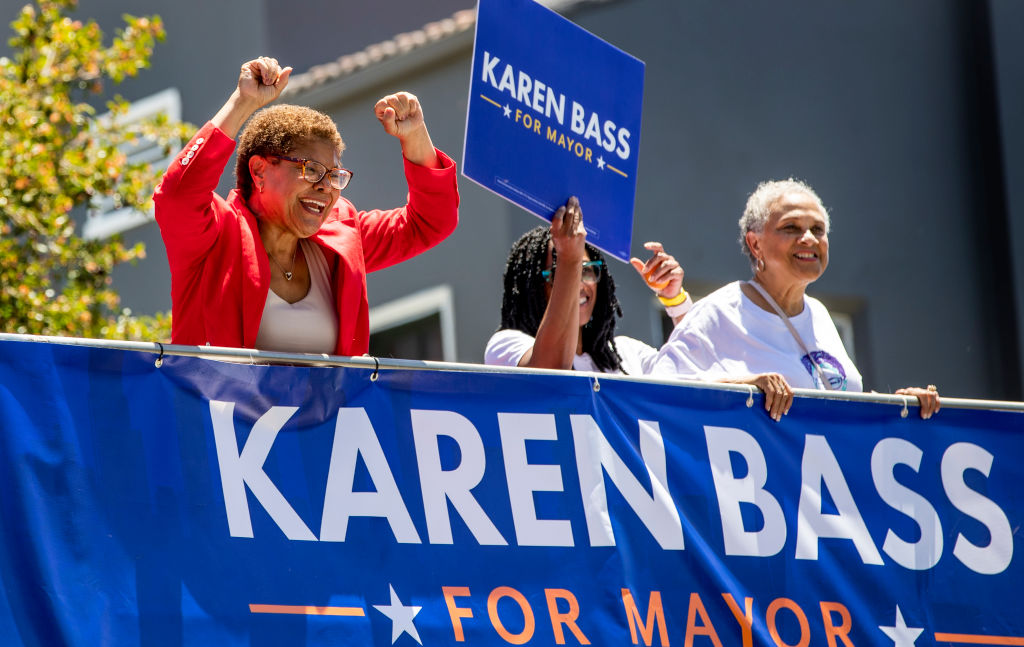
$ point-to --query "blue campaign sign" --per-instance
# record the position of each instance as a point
(207, 503)
(553, 112)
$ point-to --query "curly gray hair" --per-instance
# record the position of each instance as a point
(759, 206)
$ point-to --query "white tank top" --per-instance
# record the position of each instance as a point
(309, 325)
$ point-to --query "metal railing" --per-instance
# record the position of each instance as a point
(262, 357)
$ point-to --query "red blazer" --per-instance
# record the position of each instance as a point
(220, 274)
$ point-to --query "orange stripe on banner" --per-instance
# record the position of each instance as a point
(616, 170)
(974, 639)
(489, 100)
(306, 611)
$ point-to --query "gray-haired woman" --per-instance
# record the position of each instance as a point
(767, 331)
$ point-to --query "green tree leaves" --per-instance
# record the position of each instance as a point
(56, 157)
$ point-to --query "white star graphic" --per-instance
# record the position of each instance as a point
(901, 634)
(508, 111)
(600, 162)
(401, 617)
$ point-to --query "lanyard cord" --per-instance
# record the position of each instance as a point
(825, 384)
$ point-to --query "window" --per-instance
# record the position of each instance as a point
(104, 218)
(844, 324)
(419, 326)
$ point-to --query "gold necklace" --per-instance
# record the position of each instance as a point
(287, 275)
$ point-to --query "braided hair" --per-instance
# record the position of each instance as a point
(525, 300)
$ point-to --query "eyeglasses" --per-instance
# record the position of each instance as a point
(591, 272)
(313, 171)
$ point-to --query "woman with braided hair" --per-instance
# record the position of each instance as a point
(559, 306)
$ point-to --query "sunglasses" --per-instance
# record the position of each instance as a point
(591, 272)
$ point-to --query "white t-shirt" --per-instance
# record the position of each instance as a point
(728, 335)
(507, 347)
(309, 325)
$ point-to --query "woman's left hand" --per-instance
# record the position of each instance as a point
(927, 398)
(400, 114)
(402, 117)
(662, 273)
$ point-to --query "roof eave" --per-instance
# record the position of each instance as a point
(375, 72)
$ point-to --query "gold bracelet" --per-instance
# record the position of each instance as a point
(676, 300)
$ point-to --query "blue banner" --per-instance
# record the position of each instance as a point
(203, 502)
(553, 112)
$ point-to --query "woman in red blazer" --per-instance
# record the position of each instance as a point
(281, 263)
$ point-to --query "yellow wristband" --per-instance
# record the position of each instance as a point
(676, 300)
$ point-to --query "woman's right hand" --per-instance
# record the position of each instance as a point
(778, 395)
(568, 236)
(262, 80)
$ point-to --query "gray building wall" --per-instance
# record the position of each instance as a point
(1007, 21)
(883, 108)
(873, 105)
(906, 117)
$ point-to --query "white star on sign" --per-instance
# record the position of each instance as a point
(508, 111)
(600, 162)
(401, 617)
(901, 634)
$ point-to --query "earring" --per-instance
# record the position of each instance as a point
(760, 264)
